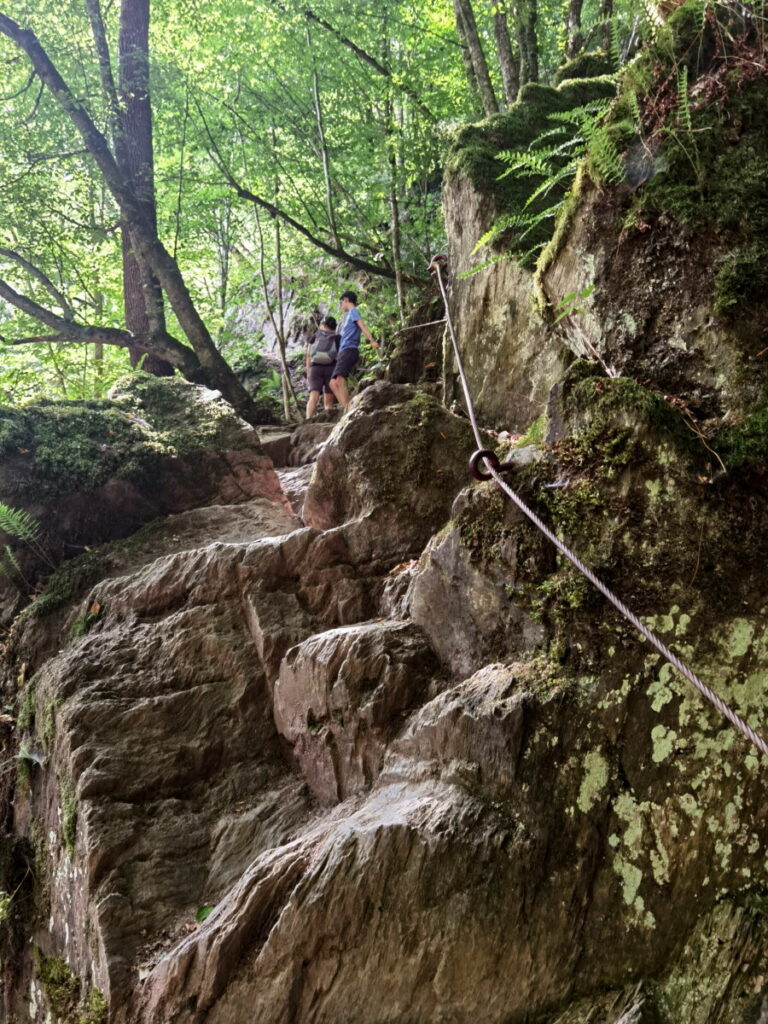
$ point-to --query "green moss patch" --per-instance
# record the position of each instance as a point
(60, 985)
(745, 445)
(64, 993)
(63, 447)
(593, 64)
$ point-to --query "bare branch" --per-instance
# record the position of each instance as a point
(67, 332)
(20, 92)
(44, 280)
(40, 158)
(380, 269)
(377, 66)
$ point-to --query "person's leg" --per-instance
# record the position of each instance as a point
(339, 387)
(328, 399)
(345, 363)
(314, 397)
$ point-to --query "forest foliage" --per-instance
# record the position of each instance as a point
(295, 149)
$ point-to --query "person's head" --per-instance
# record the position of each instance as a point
(348, 300)
(328, 323)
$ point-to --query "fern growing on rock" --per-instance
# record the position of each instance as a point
(20, 525)
(553, 157)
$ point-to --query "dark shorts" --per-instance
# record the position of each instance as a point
(319, 378)
(346, 361)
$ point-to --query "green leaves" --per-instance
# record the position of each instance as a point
(18, 523)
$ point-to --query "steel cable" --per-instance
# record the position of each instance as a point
(596, 582)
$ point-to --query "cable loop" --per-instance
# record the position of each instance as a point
(491, 462)
(490, 459)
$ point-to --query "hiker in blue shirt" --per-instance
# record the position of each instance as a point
(349, 347)
(321, 360)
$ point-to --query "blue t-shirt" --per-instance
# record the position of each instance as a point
(350, 330)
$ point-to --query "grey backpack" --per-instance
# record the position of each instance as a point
(325, 347)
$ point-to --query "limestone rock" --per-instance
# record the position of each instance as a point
(294, 483)
(342, 695)
(276, 443)
(307, 440)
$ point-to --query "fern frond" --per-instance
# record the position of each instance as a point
(512, 220)
(683, 99)
(550, 212)
(18, 523)
(485, 264)
(552, 181)
(578, 115)
(13, 560)
(614, 45)
(604, 154)
(634, 104)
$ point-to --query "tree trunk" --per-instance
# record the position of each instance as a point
(528, 13)
(468, 35)
(144, 314)
(329, 206)
(509, 62)
(469, 71)
(392, 135)
(213, 367)
(574, 40)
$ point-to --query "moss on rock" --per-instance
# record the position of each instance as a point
(76, 446)
(592, 64)
(476, 152)
(60, 985)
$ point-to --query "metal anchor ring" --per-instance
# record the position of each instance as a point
(490, 457)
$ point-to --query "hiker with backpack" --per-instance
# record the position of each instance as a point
(322, 349)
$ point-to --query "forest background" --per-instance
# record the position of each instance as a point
(169, 169)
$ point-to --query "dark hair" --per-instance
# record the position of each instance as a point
(352, 296)
(329, 321)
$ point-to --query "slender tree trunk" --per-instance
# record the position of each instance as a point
(329, 204)
(392, 130)
(468, 34)
(394, 209)
(284, 376)
(574, 40)
(528, 13)
(509, 62)
(143, 297)
(98, 348)
(469, 71)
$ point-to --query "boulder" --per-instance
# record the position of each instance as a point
(397, 459)
(342, 695)
(89, 472)
(475, 570)
(307, 439)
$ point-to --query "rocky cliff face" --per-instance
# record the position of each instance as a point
(275, 772)
(356, 744)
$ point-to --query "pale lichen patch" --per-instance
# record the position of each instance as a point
(594, 781)
(663, 742)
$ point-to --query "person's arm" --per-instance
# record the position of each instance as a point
(368, 334)
(309, 349)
